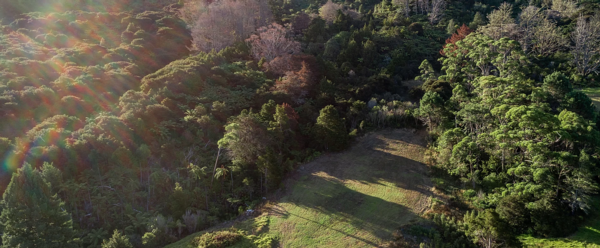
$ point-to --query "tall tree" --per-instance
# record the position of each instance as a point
(501, 24)
(32, 216)
(478, 20)
(427, 71)
(460, 34)
(246, 138)
(330, 12)
(273, 41)
(586, 51)
(437, 11)
(451, 28)
(222, 23)
(330, 130)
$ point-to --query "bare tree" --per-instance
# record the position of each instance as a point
(273, 41)
(424, 6)
(191, 11)
(529, 20)
(224, 22)
(566, 7)
(404, 6)
(548, 38)
(586, 52)
(437, 10)
(329, 11)
(501, 24)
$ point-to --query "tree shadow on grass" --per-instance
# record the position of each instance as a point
(343, 205)
(327, 186)
(381, 157)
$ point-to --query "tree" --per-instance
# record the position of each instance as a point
(465, 157)
(548, 38)
(437, 11)
(245, 139)
(478, 20)
(427, 72)
(404, 6)
(460, 34)
(580, 185)
(222, 23)
(565, 7)
(581, 104)
(329, 11)
(118, 240)
(451, 29)
(586, 50)
(501, 24)
(296, 84)
(430, 109)
(272, 41)
(300, 23)
(479, 55)
(32, 216)
(485, 228)
(557, 85)
(538, 34)
(529, 19)
(5, 146)
(330, 131)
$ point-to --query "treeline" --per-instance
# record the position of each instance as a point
(508, 124)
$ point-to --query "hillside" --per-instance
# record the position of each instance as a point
(355, 198)
(138, 123)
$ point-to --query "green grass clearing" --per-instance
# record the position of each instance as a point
(356, 198)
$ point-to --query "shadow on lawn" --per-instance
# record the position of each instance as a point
(339, 203)
(324, 187)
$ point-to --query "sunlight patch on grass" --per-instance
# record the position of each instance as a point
(356, 198)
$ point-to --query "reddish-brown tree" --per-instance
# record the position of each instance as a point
(460, 34)
(280, 65)
(273, 41)
(300, 23)
(219, 24)
(296, 84)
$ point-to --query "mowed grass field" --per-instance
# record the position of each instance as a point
(356, 198)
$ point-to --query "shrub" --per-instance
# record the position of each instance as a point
(217, 239)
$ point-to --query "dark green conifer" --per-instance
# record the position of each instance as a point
(32, 216)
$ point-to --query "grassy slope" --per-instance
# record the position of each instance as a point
(352, 199)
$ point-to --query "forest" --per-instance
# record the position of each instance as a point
(136, 123)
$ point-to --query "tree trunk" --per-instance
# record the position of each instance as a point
(215, 168)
